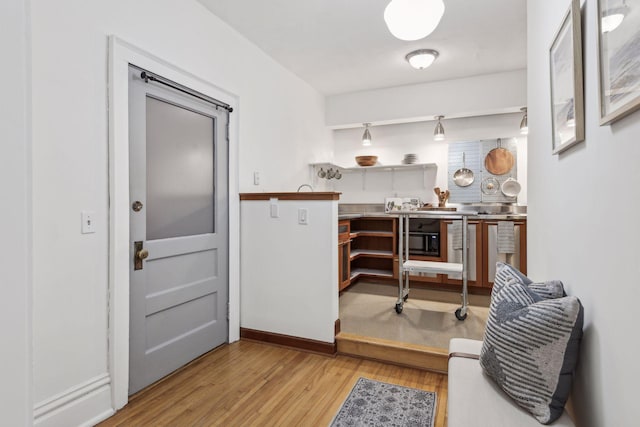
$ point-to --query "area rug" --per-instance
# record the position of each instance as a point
(374, 403)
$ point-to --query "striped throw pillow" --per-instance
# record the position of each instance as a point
(531, 348)
(506, 273)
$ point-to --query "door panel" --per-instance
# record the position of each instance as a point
(165, 325)
(180, 279)
(178, 171)
(180, 191)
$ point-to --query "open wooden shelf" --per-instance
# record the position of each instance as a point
(415, 166)
(370, 272)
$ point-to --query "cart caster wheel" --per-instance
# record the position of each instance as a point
(406, 297)
(458, 316)
(398, 308)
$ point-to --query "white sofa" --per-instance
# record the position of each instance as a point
(474, 400)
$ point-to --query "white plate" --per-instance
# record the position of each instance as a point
(490, 186)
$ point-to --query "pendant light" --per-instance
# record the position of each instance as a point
(366, 136)
(524, 126)
(438, 133)
(413, 19)
(612, 18)
(421, 58)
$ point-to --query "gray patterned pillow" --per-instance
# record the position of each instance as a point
(531, 348)
(506, 273)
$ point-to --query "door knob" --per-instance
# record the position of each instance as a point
(142, 254)
(139, 253)
(136, 206)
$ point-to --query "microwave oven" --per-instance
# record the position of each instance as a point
(424, 243)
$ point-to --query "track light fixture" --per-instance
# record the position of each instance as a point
(524, 126)
(438, 133)
(366, 136)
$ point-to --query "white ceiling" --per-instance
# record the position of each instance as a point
(340, 46)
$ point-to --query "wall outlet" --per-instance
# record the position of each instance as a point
(303, 216)
(256, 178)
(88, 222)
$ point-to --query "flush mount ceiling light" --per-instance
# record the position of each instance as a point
(612, 18)
(524, 126)
(438, 133)
(366, 136)
(421, 58)
(413, 19)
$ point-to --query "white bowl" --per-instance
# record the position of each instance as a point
(511, 188)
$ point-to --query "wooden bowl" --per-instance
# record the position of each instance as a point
(366, 160)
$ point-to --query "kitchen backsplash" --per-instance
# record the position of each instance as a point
(486, 186)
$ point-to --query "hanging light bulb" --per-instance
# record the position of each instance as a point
(413, 19)
(438, 133)
(366, 136)
(524, 126)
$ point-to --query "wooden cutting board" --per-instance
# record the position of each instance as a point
(499, 161)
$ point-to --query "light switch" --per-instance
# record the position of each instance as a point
(303, 216)
(88, 222)
(256, 178)
(273, 208)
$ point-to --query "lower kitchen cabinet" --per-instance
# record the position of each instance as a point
(452, 254)
(373, 246)
(490, 249)
(371, 250)
(344, 254)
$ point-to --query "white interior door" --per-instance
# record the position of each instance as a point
(179, 229)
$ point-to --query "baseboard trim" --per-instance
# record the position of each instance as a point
(83, 404)
(288, 341)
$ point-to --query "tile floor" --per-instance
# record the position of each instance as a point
(368, 308)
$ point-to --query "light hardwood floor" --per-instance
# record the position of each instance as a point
(254, 384)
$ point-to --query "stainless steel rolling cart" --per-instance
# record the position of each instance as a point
(407, 265)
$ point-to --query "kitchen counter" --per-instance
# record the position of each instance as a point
(486, 212)
(440, 215)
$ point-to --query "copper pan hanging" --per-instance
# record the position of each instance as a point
(499, 160)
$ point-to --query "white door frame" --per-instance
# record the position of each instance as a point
(121, 54)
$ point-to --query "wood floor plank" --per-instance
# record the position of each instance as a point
(254, 384)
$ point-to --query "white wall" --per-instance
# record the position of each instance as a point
(473, 96)
(583, 224)
(391, 142)
(289, 271)
(15, 215)
(280, 129)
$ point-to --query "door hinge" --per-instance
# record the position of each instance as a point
(228, 309)
(227, 126)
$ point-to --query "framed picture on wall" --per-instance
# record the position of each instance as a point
(618, 58)
(567, 96)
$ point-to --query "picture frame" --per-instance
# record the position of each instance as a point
(566, 82)
(618, 58)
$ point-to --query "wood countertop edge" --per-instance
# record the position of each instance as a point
(307, 195)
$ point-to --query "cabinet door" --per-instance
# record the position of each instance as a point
(518, 259)
(475, 255)
(344, 269)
